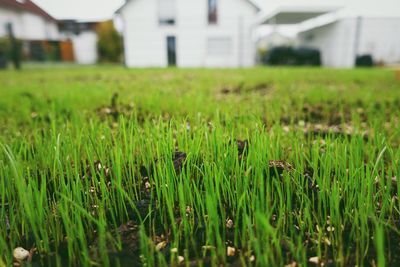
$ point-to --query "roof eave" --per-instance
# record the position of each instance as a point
(258, 9)
(118, 11)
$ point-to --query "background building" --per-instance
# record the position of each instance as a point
(189, 33)
(83, 38)
(341, 41)
(44, 38)
(29, 21)
(343, 34)
(34, 27)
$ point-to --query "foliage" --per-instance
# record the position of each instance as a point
(4, 46)
(4, 52)
(109, 42)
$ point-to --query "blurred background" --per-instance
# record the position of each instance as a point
(200, 33)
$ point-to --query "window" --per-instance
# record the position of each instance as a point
(166, 12)
(212, 12)
(219, 46)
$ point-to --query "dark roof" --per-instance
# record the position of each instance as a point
(27, 6)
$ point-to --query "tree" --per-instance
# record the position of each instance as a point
(109, 43)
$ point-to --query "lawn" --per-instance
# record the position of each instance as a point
(267, 167)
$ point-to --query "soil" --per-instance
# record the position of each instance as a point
(241, 89)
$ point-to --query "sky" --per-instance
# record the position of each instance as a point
(86, 9)
(104, 9)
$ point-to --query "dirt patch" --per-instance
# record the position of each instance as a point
(397, 74)
(241, 88)
(178, 160)
(242, 146)
(278, 167)
(129, 252)
(114, 110)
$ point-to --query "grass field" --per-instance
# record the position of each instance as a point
(266, 167)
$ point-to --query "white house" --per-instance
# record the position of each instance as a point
(28, 21)
(342, 40)
(189, 33)
(41, 33)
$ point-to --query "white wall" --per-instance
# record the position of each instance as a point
(7, 16)
(85, 47)
(379, 37)
(335, 41)
(145, 39)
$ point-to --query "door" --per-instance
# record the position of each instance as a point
(171, 50)
(67, 51)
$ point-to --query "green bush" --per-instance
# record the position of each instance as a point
(4, 46)
(7, 53)
(109, 44)
(4, 52)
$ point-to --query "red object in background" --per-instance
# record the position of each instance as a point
(67, 51)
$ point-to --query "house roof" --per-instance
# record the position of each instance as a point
(27, 6)
(248, 1)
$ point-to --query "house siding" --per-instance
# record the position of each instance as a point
(380, 37)
(145, 39)
(337, 41)
(13, 17)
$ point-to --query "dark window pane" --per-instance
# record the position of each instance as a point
(171, 50)
(166, 12)
(212, 11)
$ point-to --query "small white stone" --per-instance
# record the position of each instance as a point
(20, 254)
(181, 259)
(327, 241)
(314, 260)
(161, 245)
(189, 209)
(174, 250)
(230, 251)
(229, 224)
(292, 264)
(147, 185)
(252, 258)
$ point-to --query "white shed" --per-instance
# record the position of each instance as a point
(189, 33)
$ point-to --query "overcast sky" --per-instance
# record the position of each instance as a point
(104, 9)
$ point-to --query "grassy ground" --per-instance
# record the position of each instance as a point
(266, 167)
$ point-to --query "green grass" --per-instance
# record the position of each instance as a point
(338, 130)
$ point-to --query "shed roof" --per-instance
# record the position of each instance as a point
(296, 14)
